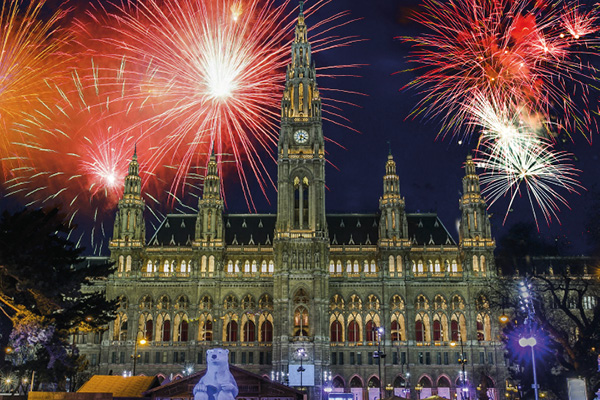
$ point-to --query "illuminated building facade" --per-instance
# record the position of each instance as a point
(303, 289)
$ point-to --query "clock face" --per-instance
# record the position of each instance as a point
(301, 137)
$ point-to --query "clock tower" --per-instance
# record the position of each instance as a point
(301, 245)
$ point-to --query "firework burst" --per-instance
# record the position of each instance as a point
(211, 72)
(517, 51)
(177, 79)
(517, 160)
(29, 62)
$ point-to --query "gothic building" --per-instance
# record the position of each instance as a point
(299, 296)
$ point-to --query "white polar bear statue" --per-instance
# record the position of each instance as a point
(217, 383)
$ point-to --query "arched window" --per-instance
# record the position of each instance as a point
(420, 269)
(237, 266)
(247, 267)
(353, 332)
(120, 327)
(437, 331)
(148, 328)
(180, 333)
(336, 332)
(419, 331)
(128, 264)
(184, 331)
(480, 335)
(211, 265)
(370, 328)
(249, 331)
(208, 330)
(454, 330)
(230, 267)
(356, 268)
(166, 331)
(263, 267)
(396, 330)
(348, 266)
(331, 267)
(454, 269)
(475, 264)
(482, 265)
(266, 331)
(149, 266)
(338, 267)
(166, 266)
(399, 265)
(121, 263)
(183, 269)
(437, 267)
(203, 265)
(271, 267)
(254, 267)
(231, 331)
(301, 321)
(205, 328)
(373, 266)
(392, 264)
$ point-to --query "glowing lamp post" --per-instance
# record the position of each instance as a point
(464, 392)
(379, 355)
(301, 353)
(135, 353)
(527, 306)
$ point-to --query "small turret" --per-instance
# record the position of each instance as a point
(209, 223)
(475, 228)
(474, 222)
(393, 224)
(130, 228)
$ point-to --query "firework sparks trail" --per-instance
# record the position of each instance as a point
(521, 52)
(29, 61)
(212, 73)
(74, 154)
(516, 158)
(177, 79)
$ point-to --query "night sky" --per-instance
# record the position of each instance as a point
(430, 169)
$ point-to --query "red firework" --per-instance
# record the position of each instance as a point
(523, 52)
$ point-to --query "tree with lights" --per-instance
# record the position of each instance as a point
(561, 311)
(47, 293)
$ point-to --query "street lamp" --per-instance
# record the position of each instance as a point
(135, 353)
(301, 353)
(379, 355)
(462, 360)
(527, 306)
(418, 388)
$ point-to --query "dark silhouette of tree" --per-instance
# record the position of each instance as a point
(566, 293)
(47, 292)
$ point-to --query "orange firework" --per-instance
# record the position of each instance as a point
(29, 62)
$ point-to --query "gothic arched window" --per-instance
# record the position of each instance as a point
(336, 332)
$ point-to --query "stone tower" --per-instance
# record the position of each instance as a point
(475, 230)
(209, 223)
(301, 244)
(393, 224)
(129, 232)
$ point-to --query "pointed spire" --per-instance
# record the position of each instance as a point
(301, 7)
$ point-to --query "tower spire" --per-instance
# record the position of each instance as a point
(129, 228)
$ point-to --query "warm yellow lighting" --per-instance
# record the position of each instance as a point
(452, 344)
(503, 318)
(143, 341)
